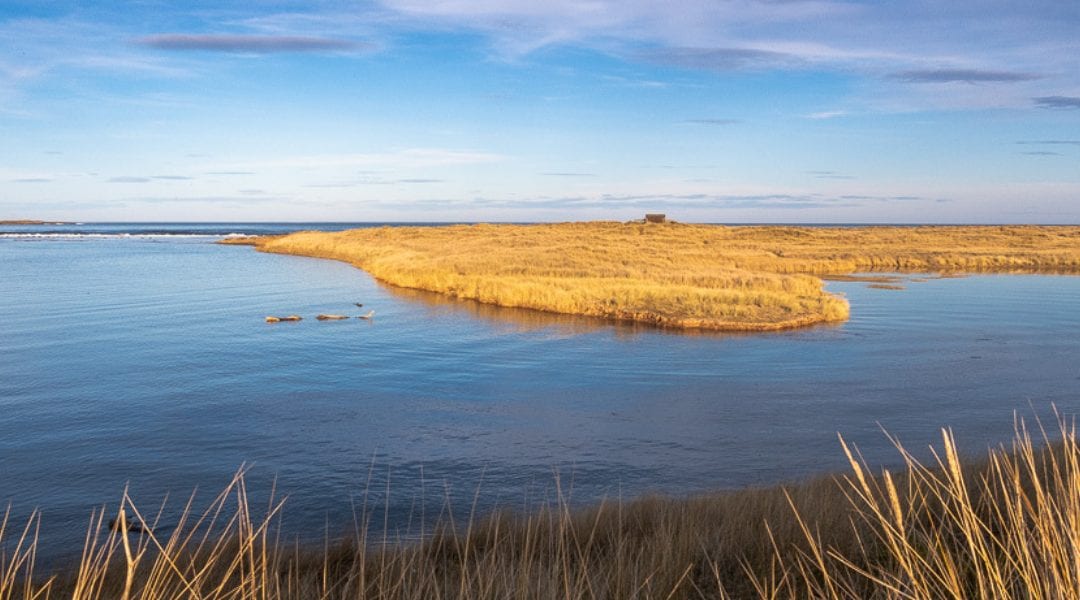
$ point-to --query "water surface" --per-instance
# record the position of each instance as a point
(143, 359)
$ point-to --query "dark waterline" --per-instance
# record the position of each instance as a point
(145, 360)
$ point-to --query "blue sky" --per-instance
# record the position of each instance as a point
(518, 110)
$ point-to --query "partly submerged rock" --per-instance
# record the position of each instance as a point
(280, 319)
(132, 526)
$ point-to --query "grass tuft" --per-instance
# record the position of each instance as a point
(1007, 526)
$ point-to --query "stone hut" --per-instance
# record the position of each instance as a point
(655, 218)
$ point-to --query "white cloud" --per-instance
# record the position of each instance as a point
(522, 26)
(827, 114)
(399, 159)
(1031, 46)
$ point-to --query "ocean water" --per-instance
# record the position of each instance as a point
(138, 356)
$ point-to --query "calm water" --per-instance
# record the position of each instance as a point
(143, 358)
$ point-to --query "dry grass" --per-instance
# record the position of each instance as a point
(677, 275)
(1005, 527)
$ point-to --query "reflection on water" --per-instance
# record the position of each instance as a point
(516, 320)
(524, 320)
(149, 363)
(889, 280)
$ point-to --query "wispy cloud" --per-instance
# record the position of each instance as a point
(333, 185)
(829, 175)
(777, 201)
(1033, 45)
(129, 179)
(1058, 101)
(721, 59)
(403, 159)
(1049, 142)
(636, 82)
(255, 44)
(171, 177)
(827, 114)
(1041, 153)
(763, 201)
(373, 181)
(522, 26)
(242, 200)
(32, 180)
(568, 174)
(712, 121)
(34, 48)
(965, 76)
(881, 198)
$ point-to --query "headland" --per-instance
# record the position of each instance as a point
(724, 278)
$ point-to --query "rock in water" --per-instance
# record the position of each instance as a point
(132, 526)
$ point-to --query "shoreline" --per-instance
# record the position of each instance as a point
(676, 276)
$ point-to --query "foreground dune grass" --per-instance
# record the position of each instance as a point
(675, 275)
(1007, 526)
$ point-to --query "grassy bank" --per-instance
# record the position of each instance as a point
(675, 275)
(1002, 527)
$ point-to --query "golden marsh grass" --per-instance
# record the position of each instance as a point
(1007, 526)
(675, 275)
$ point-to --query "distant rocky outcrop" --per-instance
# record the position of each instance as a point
(30, 222)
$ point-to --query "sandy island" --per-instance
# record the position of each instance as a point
(726, 278)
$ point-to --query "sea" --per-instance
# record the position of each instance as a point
(137, 357)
